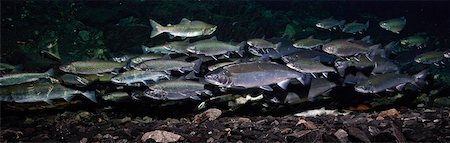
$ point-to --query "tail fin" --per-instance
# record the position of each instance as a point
(197, 64)
(156, 28)
(90, 95)
(367, 24)
(241, 48)
(145, 49)
(50, 72)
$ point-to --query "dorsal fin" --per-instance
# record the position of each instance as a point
(185, 20)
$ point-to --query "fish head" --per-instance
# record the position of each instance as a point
(384, 24)
(68, 68)
(364, 87)
(320, 25)
(219, 80)
(447, 54)
(419, 59)
(210, 30)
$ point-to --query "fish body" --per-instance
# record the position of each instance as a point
(37, 92)
(254, 75)
(318, 87)
(345, 48)
(382, 82)
(432, 57)
(118, 96)
(168, 65)
(177, 47)
(261, 44)
(310, 66)
(212, 47)
(310, 54)
(135, 76)
(415, 40)
(308, 43)
(18, 78)
(394, 25)
(185, 28)
(284, 48)
(141, 58)
(91, 67)
(330, 23)
(176, 90)
(4, 68)
(160, 49)
(71, 79)
(355, 27)
(361, 63)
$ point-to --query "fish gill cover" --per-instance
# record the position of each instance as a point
(114, 59)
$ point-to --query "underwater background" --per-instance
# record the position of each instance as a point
(77, 30)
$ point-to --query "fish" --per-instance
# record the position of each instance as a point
(18, 78)
(220, 65)
(361, 62)
(41, 91)
(383, 82)
(186, 28)
(254, 75)
(346, 48)
(122, 58)
(432, 57)
(212, 47)
(355, 79)
(414, 41)
(355, 27)
(9, 68)
(394, 25)
(310, 66)
(141, 58)
(318, 87)
(262, 44)
(176, 90)
(160, 49)
(71, 79)
(310, 54)
(330, 23)
(117, 96)
(91, 67)
(285, 48)
(308, 43)
(169, 65)
(135, 76)
(178, 47)
(383, 65)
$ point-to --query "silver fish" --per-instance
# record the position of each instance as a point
(379, 83)
(118, 96)
(308, 43)
(212, 47)
(310, 66)
(160, 49)
(433, 57)
(185, 28)
(416, 40)
(330, 23)
(254, 75)
(177, 47)
(176, 90)
(91, 67)
(141, 58)
(262, 44)
(318, 87)
(12, 79)
(135, 76)
(169, 65)
(394, 25)
(346, 48)
(355, 27)
(37, 92)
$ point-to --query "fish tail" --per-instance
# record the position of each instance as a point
(197, 64)
(90, 95)
(145, 49)
(50, 72)
(156, 28)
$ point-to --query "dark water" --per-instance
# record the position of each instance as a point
(121, 27)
